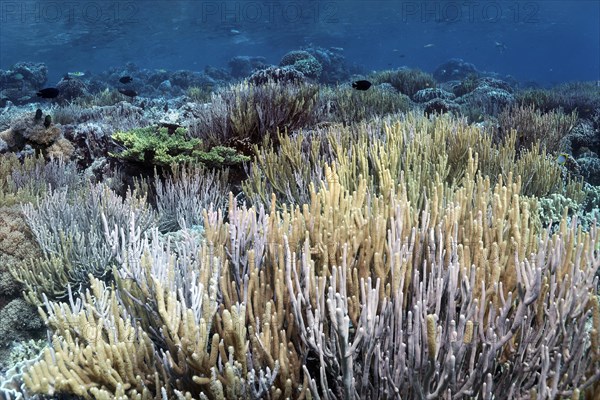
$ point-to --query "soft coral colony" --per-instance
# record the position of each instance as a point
(420, 282)
(405, 256)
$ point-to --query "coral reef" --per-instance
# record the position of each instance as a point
(245, 114)
(68, 226)
(244, 66)
(536, 128)
(20, 83)
(589, 165)
(346, 105)
(454, 69)
(16, 245)
(198, 94)
(71, 89)
(441, 106)
(582, 143)
(28, 132)
(283, 75)
(28, 129)
(489, 99)
(19, 322)
(425, 95)
(187, 191)
(28, 179)
(335, 68)
(406, 81)
(281, 239)
(416, 151)
(582, 97)
(297, 311)
(304, 62)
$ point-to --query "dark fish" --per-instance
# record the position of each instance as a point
(47, 121)
(38, 114)
(66, 77)
(128, 92)
(48, 93)
(125, 79)
(166, 108)
(361, 85)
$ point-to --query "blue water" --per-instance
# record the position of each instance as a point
(547, 42)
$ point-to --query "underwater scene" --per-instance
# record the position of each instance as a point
(300, 199)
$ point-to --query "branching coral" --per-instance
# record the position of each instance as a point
(68, 227)
(346, 105)
(183, 195)
(23, 181)
(406, 81)
(533, 126)
(351, 296)
(411, 150)
(97, 353)
(246, 113)
(392, 279)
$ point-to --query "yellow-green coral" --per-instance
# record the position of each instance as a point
(346, 105)
(10, 193)
(157, 146)
(408, 149)
(406, 81)
(219, 156)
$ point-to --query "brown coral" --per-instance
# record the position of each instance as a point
(16, 245)
(60, 148)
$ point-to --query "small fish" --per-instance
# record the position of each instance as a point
(38, 114)
(361, 85)
(47, 121)
(76, 74)
(66, 77)
(562, 158)
(428, 45)
(125, 79)
(166, 108)
(128, 92)
(48, 93)
(500, 46)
